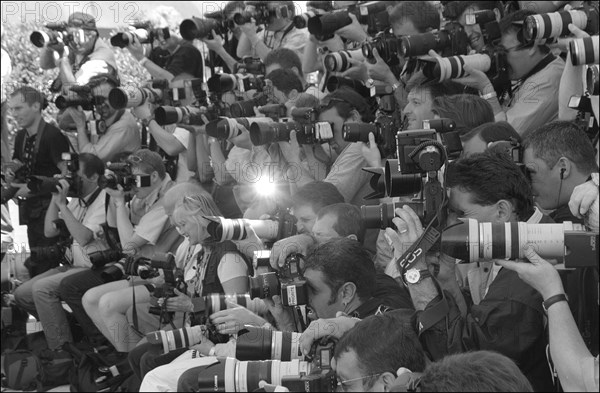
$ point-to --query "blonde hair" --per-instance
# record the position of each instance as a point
(195, 206)
(176, 194)
(165, 16)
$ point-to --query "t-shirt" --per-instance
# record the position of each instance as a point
(92, 217)
(121, 136)
(347, 175)
(186, 59)
(295, 39)
(183, 173)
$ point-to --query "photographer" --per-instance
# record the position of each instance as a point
(459, 10)
(368, 356)
(406, 18)
(143, 229)
(576, 366)
(279, 32)
(225, 47)
(79, 62)
(172, 56)
(121, 132)
(288, 59)
(311, 198)
(38, 147)
(499, 302)
(467, 110)
(82, 217)
(532, 99)
(479, 138)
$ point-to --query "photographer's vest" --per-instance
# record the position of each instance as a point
(210, 281)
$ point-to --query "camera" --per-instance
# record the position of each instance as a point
(57, 33)
(493, 64)
(185, 337)
(450, 41)
(101, 258)
(486, 19)
(222, 229)
(63, 102)
(250, 65)
(189, 115)
(383, 129)
(228, 128)
(335, 82)
(123, 176)
(309, 131)
(301, 21)
(260, 12)
(131, 97)
(339, 61)
(388, 47)
(273, 111)
(232, 375)
(56, 251)
(198, 28)
(380, 216)
(584, 50)
(41, 185)
(255, 343)
(472, 241)
(556, 24)
(372, 13)
(287, 282)
(143, 31)
(222, 83)
(246, 108)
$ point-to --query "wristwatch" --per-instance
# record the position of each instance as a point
(561, 297)
(414, 276)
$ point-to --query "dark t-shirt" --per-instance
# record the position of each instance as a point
(52, 144)
(186, 59)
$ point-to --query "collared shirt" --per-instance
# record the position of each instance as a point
(101, 61)
(92, 217)
(121, 136)
(347, 175)
(295, 39)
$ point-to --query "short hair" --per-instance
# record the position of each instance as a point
(344, 260)
(148, 161)
(348, 221)
(493, 132)
(317, 194)
(491, 177)
(438, 89)
(286, 58)
(512, 23)
(285, 80)
(345, 100)
(165, 16)
(320, 5)
(559, 139)
(454, 9)
(93, 164)
(423, 14)
(384, 343)
(478, 371)
(31, 96)
(99, 79)
(468, 111)
(175, 194)
(232, 6)
(306, 100)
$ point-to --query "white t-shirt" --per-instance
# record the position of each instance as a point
(183, 173)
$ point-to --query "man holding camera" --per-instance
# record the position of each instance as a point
(38, 147)
(116, 130)
(279, 30)
(500, 304)
(82, 218)
(143, 229)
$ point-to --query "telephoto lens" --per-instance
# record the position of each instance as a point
(445, 68)
(556, 24)
(380, 216)
(301, 21)
(216, 302)
(340, 61)
(221, 83)
(473, 241)
(42, 39)
(388, 47)
(327, 24)
(592, 79)
(335, 82)
(255, 343)
(584, 50)
(63, 103)
(264, 286)
(246, 108)
(359, 132)
(171, 340)
(197, 28)
(263, 134)
(222, 229)
(450, 41)
(190, 115)
(121, 98)
(399, 184)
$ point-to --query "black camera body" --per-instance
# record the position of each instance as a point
(388, 47)
(321, 377)
(309, 131)
(450, 41)
(383, 128)
(56, 251)
(123, 176)
(250, 65)
(41, 185)
(144, 32)
(287, 282)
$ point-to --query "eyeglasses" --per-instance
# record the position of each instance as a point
(344, 384)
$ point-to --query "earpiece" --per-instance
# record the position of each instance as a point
(562, 173)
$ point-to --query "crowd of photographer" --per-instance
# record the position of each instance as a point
(422, 216)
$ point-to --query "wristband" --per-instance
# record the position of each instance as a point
(212, 351)
(143, 61)
(489, 95)
(395, 87)
(561, 297)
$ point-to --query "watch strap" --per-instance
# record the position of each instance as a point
(554, 299)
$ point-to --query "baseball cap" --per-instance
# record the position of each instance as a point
(148, 161)
(82, 20)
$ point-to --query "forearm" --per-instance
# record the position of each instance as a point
(66, 73)
(83, 139)
(192, 163)
(227, 58)
(566, 347)
(218, 162)
(51, 215)
(164, 139)
(309, 60)
(124, 227)
(157, 72)
(244, 47)
(47, 59)
(79, 231)
(423, 292)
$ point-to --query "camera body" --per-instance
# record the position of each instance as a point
(450, 41)
(383, 128)
(321, 377)
(250, 65)
(144, 32)
(56, 251)
(388, 47)
(309, 130)
(41, 185)
(57, 33)
(123, 176)
(222, 83)
(287, 282)
(201, 28)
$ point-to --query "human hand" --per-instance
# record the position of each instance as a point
(408, 230)
(144, 111)
(232, 320)
(283, 316)
(476, 79)
(371, 152)
(284, 247)
(332, 327)
(539, 273)
(249, 29)
(267, 387)
(136, 49)
(582, 198)
(78, 117)
(117, 196)
(62, 190)
(357, 71)
(291, 149)
(181, 302)
(204, 346)
(251, 243)
(354, 31)
(215, 44)
(380, 71)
